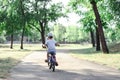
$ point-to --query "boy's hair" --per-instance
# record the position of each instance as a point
(50, 37)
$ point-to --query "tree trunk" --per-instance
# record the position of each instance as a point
(22, 37)
(92, 38)
(11, 46)
(100, 29)
(43, 37)
(97, 40)
(23, 23)
(42, 32)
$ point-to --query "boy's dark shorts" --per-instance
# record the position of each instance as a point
(52, 53)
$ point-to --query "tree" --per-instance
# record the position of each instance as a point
(114, 9)
(15, 18)
(57, 30)
(97, 17)
(21, 10)
(23, 16)
(89, 25)
(114, 5)
(97, 40)
(43, 12)
(100, 29)
(9, 19)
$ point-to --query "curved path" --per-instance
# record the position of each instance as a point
(33, 67)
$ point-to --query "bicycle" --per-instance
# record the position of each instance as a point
(51, 61)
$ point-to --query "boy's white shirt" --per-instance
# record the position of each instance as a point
(51, 45)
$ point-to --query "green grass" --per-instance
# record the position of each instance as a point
(10, 57)
(87, 53)
(73, 46)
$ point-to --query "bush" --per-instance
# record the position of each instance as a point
(2, 39)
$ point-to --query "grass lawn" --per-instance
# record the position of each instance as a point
(86, 52)
(10, 57)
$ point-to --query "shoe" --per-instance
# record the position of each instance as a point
(56, 63)
(46, 60)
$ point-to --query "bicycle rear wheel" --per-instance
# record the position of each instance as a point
(53, 67)
(50, 65)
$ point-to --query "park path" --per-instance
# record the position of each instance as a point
(33, 67)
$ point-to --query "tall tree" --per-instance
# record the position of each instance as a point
(89, 25)
(9, 19)
(97, 16)
(97, 40)
(100, 29)
(43, 12)
(22, 13)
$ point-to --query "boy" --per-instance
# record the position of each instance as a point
(51, 43)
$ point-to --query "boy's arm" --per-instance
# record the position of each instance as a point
(44, 45)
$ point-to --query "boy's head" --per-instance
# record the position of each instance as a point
(50, 35)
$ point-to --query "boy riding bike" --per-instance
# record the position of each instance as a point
(50, 44)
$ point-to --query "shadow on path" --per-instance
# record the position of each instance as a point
(31, 71)
(33, 67)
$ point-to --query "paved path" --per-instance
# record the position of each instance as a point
(33, 67)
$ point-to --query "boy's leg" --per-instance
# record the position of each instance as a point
(55, 60)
